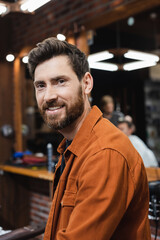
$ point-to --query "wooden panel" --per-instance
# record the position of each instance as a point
(17, 107)
(15, 193)
(121, 12)
(6, 108)
(14, 201)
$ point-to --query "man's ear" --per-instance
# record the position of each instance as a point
(87, 83)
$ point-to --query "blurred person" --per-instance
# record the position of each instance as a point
(108, 108)
(100, 187)
(147, 155)
(130, 119)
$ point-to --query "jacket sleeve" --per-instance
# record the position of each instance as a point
(105, 189)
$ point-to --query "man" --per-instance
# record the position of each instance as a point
(147, 155)
(100, 188)
(107, 107)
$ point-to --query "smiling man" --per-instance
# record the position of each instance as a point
(100, 188)
(60, 99)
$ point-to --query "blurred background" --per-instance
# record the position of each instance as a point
(115, 26)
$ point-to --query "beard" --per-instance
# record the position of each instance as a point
(72, 112)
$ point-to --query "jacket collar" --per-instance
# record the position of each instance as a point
(82, 136)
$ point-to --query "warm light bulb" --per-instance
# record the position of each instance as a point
(61, 37)
(3, 8)
(31, 5)
(25, 59)
(10, 57)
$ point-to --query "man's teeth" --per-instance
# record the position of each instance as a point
(53, 108)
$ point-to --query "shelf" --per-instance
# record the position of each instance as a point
(41, 174)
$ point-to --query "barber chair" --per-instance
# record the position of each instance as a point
(154, 203)
(24, 233)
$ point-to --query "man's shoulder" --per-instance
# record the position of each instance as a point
(98, 134)
(108, 136)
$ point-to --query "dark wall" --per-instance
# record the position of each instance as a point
(6, 36)
(127, 89)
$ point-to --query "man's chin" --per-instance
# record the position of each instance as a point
(56, 125)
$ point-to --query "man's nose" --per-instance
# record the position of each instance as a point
(50, 94)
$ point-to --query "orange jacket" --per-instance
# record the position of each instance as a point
(102, 193)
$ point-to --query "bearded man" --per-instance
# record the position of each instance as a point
(100, 188)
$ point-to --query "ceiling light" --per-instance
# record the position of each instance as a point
(142, 60)
(141, 56)
(130, 21)
(61, 37)
(25, 59)
(103, 66)
(3, 8)
(96, 57)
(138, 65)
(30, 5)
(153, 16)
(10, 57)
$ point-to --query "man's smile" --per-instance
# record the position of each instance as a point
(53, 110)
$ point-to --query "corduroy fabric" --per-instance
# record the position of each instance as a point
(103, 191)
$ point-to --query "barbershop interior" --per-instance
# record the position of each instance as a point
(122, 42)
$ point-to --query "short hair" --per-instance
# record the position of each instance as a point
(122, 120)
(105, 100)
(52, 47)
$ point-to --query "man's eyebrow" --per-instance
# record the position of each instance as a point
(59, 77)
(35, 81)
(52, 79)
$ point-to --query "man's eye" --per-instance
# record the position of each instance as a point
(61, 81)
(39, 86)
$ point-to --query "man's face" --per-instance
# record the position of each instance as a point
(124, 128)
(58, 92)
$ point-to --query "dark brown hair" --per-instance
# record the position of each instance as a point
(52, 47)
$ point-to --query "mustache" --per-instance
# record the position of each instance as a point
(47, 105)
